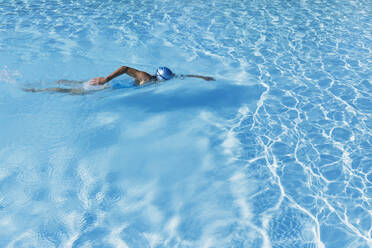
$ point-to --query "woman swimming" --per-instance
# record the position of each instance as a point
(99, 83)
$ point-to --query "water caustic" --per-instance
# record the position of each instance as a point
(274, 153)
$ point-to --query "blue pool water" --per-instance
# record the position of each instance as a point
(275, 153)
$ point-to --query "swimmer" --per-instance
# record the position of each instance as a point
(140, 78)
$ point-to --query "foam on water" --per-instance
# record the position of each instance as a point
(274, 153)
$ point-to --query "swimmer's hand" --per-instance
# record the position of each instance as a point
(209, 79)
(98, 81)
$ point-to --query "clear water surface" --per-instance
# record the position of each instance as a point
(275, 153)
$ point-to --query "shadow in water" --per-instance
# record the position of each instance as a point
(219, 97)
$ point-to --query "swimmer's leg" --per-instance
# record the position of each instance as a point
(75, 91)
(68, 82)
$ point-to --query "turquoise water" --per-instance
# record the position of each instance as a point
(275, 153)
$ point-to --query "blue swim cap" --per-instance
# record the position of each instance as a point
(164, 73)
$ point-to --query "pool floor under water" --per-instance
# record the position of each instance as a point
(274, 153)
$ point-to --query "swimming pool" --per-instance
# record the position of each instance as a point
(274, 153)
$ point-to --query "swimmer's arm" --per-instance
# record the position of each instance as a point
(202, 77)
(139, 76)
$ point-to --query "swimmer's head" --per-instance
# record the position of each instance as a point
(164, 73)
